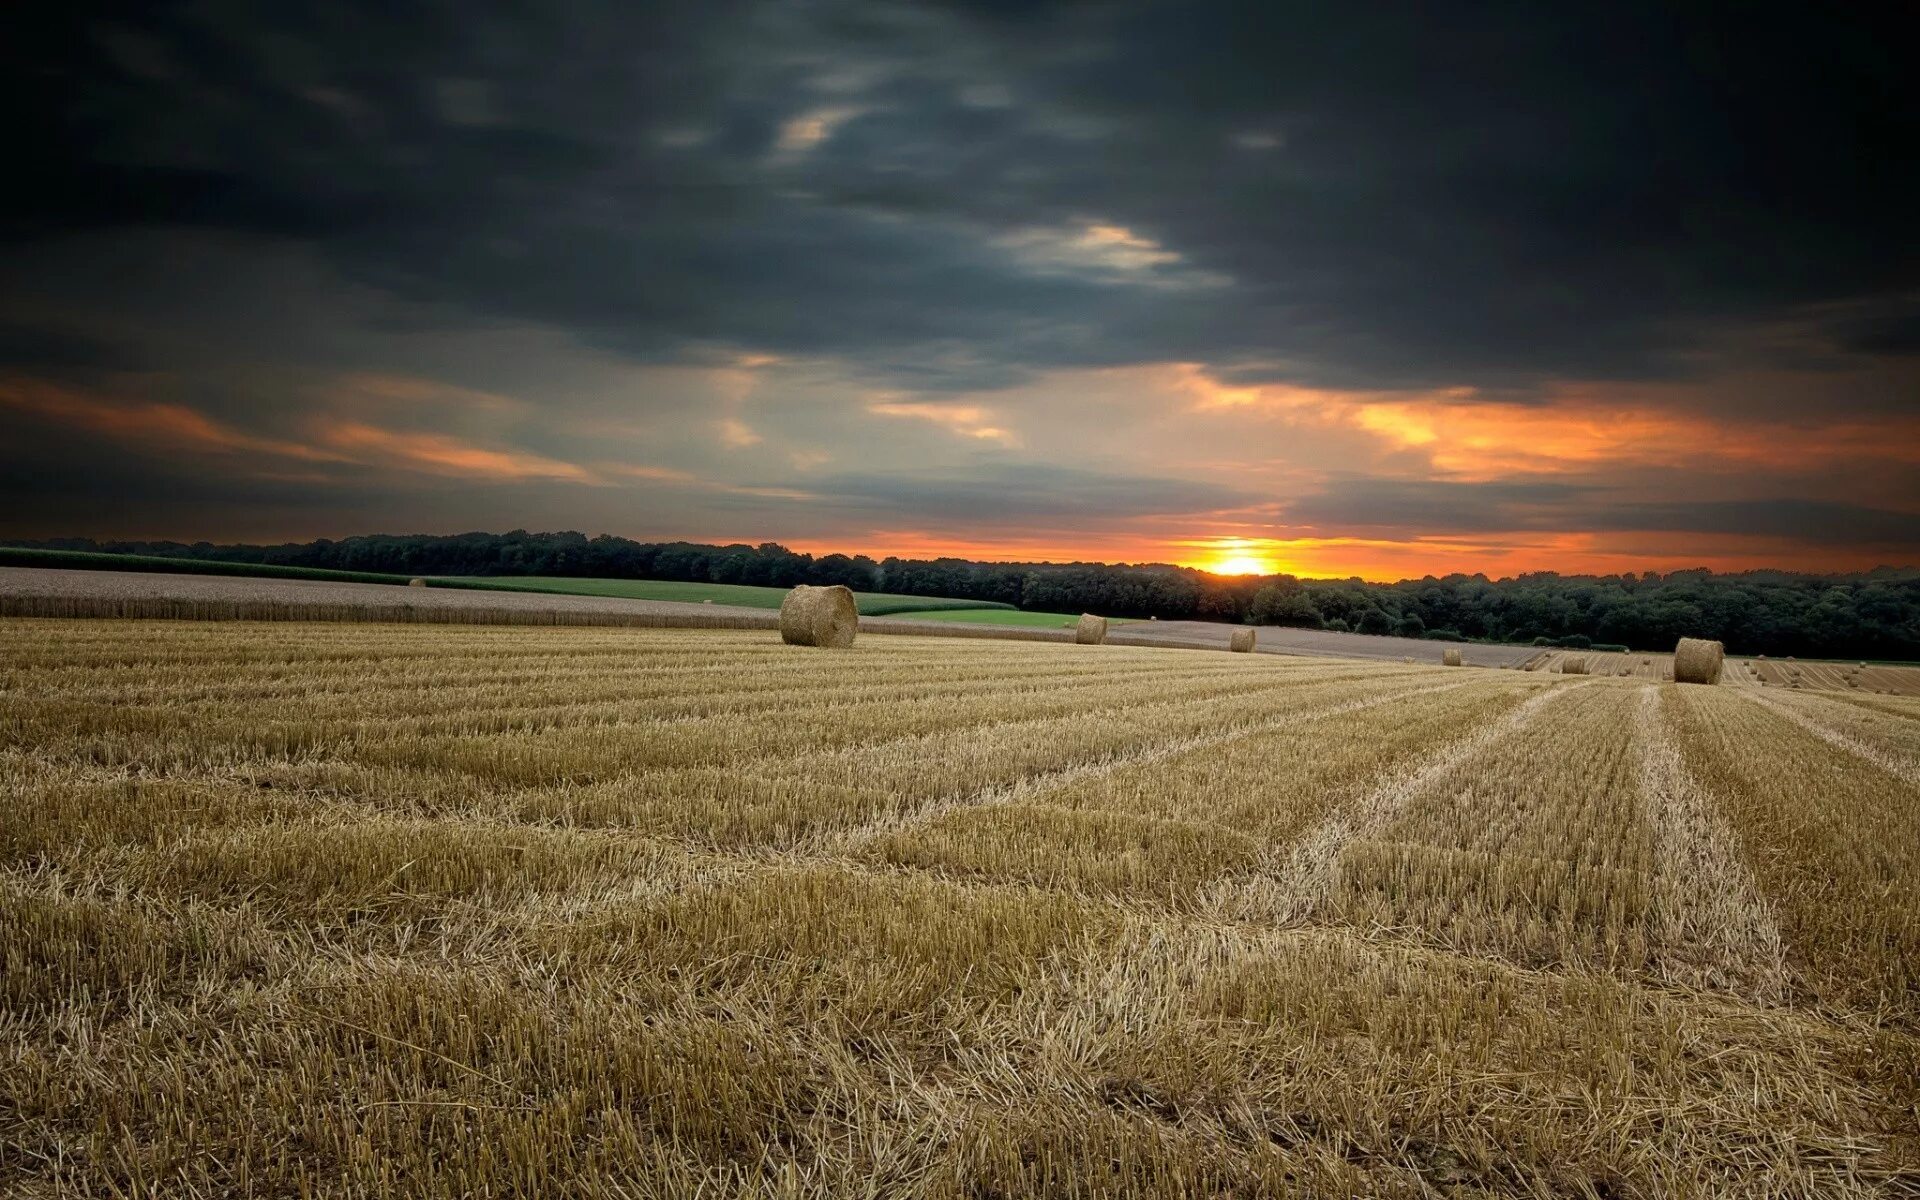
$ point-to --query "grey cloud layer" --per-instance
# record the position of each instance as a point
(1359, 197)
(1430, 507)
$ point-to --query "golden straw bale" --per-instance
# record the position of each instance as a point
(1091, 630)
(1697, 660)
(819, 616)
(1450, 657)
(416, 583)
(1242, 641)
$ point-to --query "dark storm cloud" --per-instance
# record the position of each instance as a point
(52, 351)
(1812, 521)
(1890, 328)
(1370, 506)
(1355, 197)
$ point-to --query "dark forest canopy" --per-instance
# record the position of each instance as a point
(1870, 615)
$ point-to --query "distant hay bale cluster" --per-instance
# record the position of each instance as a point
(1091, 630)
(819, 616)
(1450, 657)
(1697, 660)
(1242, 641)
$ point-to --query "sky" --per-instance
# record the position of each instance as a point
(1337, 290)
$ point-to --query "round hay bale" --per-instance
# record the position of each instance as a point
(819, 616)
(1573, 664)
(1242, 642)
(1450, 657)
(416, 583)
(708, 600)
(1697, 660)
(1091, 630)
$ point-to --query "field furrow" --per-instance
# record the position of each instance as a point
(1714, 928)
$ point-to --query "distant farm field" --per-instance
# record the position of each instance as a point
(741, 595)
(1002, 616)
(872, 604)
(296, 909)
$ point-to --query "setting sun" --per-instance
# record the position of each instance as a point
(1242, 565)
(1232, 556)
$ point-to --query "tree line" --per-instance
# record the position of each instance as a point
(1874, 614)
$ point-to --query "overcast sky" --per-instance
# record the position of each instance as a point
(1336, 288)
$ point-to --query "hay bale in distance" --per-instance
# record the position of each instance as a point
(1091, 630)
(819, 616)
(1242, 642)
(416, 583)
(1697, 660)
(1450, 657)
(1573, 664)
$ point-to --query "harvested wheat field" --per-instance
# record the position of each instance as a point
(339, 909)
(1860, 679)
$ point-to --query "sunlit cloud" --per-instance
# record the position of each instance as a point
(416, 389)
(444, 454)
(964, 420)
(736, 434)
(1104, 250)
(1466, 437)
(671, 476)
(148, 423)
(804, 132)
(646, 474)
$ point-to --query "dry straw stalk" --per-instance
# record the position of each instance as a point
(819, 616)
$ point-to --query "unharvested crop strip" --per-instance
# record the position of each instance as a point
(1715, 928)
(1294, 890)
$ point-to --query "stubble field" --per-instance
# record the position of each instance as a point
(353, 910)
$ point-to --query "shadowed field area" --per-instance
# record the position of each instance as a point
(295, 909)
